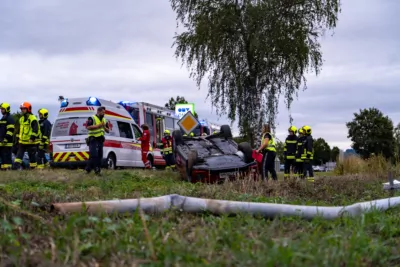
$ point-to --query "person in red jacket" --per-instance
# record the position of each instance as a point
(145, 145)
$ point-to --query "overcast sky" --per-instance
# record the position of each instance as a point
(121, 50)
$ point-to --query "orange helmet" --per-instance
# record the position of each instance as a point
(26, 105)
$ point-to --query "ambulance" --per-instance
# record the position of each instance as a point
(121, 147)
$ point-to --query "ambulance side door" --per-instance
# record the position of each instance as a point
(137, 149)
(126, 153)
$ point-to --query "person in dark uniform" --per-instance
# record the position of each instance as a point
(289, 150)
(167, 150)
(299, 150)
(268, 149)
(308, 153)
(7, 125)
(97, 126)
(44, 137)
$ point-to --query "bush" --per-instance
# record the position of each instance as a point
(375, 165)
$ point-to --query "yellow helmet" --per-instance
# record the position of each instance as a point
(292, 129)
(191, 134)
(44, 112)
(6, 106)
(167, 132)
(307, 130)
(301, 130)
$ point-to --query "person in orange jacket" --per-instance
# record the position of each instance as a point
(145, 145)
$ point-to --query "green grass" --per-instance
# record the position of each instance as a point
(33, 236)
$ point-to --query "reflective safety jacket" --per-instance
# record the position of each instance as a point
(308, 150)
(28, 130)
(290, 147)
(100, 131)
(7, 126)
(299, 149)
(271, 143)
(167, 144)
(45, 129)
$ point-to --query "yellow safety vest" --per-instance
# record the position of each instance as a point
(271, 143)
(97, 132)
(25, 130)
(167, 150)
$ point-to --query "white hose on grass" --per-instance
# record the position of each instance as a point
(220, 207)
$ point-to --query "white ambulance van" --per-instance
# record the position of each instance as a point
(121, 147)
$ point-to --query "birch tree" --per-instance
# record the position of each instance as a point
(252, 52)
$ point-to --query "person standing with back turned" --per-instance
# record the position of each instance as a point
(289, 150)
(97, 126)
(268, 149)
(7, 125)
(44, 138)
(308, 153)
(299, 152)
(145, 145)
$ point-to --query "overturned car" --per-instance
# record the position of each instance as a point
(214, 158)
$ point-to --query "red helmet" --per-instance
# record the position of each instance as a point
(26, 105)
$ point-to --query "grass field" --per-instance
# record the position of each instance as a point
(32, 236)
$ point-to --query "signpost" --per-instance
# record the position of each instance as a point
(188, 122)
(182, 109)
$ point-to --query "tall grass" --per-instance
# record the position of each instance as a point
(375, 165)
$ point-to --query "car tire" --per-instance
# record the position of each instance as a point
(111, 162)
(246, 149)
(177, 138)
(226, 132)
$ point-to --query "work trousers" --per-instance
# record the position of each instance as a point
(41, 157)
(6, 157)
(95, 154)
(146, 162)
(289, 164)
(299, 170)
(308, 169)
(169, 160)
(268, 165)
(32, 150)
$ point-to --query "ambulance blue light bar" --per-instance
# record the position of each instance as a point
(92, 101)
(127, 103)
(64, 103)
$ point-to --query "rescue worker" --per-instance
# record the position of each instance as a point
(289, 150)
(7, 125)
(97, 126)
(44, 138)
(167, 150)
(299, 172)
(308, 153)
(27, 136)
(145, 145)
(268, 149)
(191, 134)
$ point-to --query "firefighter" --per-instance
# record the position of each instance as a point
(44, 138)
(308, 153)
(7, 125)
(268, 149)
(299, 150)
(289, 150)
(27, 136)
(97, 126)
(145, 145)
(167, 150)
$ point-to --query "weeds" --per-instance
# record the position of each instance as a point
(33, 236)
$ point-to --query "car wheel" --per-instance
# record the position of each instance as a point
(111, 162)
(226, 132)
(178, 138)
(246, 149)
(150, 158)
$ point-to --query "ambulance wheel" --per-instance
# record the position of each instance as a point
(150, 158)
(111, 162)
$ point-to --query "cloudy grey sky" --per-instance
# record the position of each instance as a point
(121, 50)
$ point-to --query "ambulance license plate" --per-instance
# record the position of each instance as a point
(226, 175)
(72, 146)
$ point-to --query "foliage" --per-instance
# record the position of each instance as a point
(34, 236)
(371, 133)
(178, 100)
(335, 153)
(252, 51)
(397, 141)
(375, 165)
(280, 146)
(322, 151)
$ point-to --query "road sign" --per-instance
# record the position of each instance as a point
(182, 109)
(188, 122)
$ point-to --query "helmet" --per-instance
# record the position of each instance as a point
(301, 130)
(167, 132)
(292, 129)
(6, 106)
(307, 130)
(26, 105)
(44, 112)
(191, 134)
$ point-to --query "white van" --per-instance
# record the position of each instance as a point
(121, 147)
